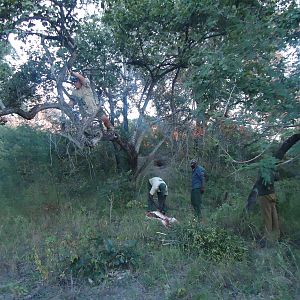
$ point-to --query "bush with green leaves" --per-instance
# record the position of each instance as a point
(87, 256)
(215, 243)
(102, 256)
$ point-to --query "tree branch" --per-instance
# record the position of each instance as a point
(29, 115)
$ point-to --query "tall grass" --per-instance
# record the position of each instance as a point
(56, 215)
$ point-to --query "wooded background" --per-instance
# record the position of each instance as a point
(179, 79)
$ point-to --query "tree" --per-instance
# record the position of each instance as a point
(222, 55)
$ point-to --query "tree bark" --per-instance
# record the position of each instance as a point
(29, 115)
(125, 111)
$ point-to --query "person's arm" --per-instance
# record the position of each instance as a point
(151, 193)
(153, 190)
(200, 173)
(79, 76)
(154, 182)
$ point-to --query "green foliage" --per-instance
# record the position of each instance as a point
(81, 246)
(232, 216)
(16, 289)
(5, 69)
(267, 168)
(134, 204)
(289, 207)
(86, 256)
(230, 51)
(24, 85)
(215, 243)
(16, 12)
(37, 170)
(267, 273)
(119, 189)
(102, 257)
(24, 157)
(226, 56)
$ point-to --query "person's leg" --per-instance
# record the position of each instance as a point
(196, 201)
(151, 204)
(161, 202)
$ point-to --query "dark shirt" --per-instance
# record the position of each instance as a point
(198, 178)
(266, 188)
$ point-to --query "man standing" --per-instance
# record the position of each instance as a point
(158, 186)
(197, 187)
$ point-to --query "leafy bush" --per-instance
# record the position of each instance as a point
(86, 257)
(134, 204)
(103, 256)
(215, 243)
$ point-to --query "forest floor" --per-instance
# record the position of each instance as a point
(51, 250)
(163, 273)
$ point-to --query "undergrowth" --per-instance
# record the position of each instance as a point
(67, 227)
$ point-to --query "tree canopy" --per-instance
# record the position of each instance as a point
(235, 61)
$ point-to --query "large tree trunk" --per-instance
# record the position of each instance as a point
(286, 145)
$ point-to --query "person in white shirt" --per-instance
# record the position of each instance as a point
(158, 186)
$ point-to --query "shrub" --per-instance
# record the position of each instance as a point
(102, 257)
(85, 257)
(215, 243)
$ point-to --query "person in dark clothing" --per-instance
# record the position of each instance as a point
(198, 183)
(267, 199)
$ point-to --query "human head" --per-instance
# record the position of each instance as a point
(77, 83)
(162, 188)
(193, 163)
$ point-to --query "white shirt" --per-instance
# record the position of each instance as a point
(155, 182)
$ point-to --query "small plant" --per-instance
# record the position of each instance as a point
(215, 243)
(39, 266)
(101, 257)
(16, 289)
(86, 256)
(134, 204)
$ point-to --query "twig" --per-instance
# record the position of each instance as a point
(111, 200)
(50, 148)
(288, 161)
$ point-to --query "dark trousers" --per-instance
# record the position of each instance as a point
(196, 200)
(161, 206)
